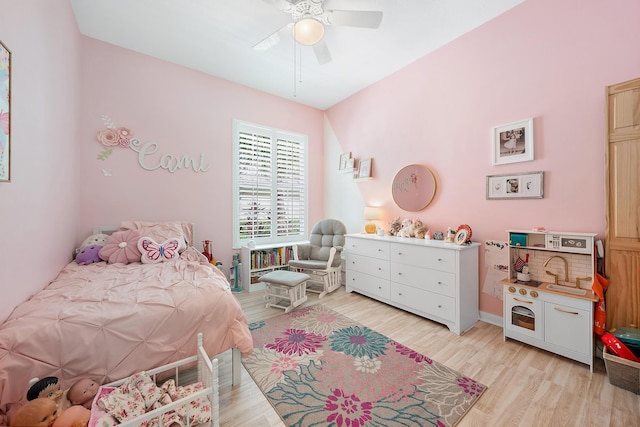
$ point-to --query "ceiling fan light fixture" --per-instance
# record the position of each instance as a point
(308, 31)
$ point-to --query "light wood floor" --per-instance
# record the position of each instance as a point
(526, 386)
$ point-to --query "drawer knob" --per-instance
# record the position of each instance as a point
(439, 283)
(439, 306)
(399, 274)
(379, 250)
(379, 268)
(439, 259)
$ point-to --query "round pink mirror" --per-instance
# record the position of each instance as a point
(414, 187)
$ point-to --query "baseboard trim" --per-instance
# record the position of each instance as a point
(491, 319)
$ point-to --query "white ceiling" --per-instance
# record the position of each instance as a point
(217, 37)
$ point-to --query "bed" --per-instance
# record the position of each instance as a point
(109, 320)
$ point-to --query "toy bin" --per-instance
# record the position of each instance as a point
(622, 373)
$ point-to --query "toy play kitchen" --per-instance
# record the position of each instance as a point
(548, 301)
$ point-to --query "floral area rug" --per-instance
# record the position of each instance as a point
(320, 368)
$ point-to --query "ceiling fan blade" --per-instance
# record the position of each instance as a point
(274, 38)
(322, 52)
(354, 18)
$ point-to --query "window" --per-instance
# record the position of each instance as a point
(270, 185)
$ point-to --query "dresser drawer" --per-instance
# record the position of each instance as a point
(423, 301)
(422, 278)
(366, 247)
(373, 266)
(370, 285)
(433, 258)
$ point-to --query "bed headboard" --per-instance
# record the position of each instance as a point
(104, 229)
(188, 229)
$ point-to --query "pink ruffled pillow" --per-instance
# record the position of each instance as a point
(121, 247)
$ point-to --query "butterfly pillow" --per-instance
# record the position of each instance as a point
(152, 252)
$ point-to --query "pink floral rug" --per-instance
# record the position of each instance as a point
(320, 368)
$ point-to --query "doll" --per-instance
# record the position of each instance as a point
(39, 412)
(83, 392)
(75, 416)
(49, 387)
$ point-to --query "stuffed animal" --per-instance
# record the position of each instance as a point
(95, 239)
(395, 227)
(89, 255)
(407, 228)
(40, 412)
(420, 229)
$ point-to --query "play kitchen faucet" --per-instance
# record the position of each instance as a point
(566, 269)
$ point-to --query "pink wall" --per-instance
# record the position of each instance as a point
(543, 59)
(185, 112)
(38, 208)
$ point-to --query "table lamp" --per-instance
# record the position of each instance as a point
(371, 214)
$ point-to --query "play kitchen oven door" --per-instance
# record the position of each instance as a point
(523, 313)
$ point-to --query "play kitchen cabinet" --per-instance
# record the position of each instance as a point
(430, 278)
(553, 310)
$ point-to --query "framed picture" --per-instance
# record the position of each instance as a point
(513, 142)
(5, 113)
(344, 161)
(516, 186)
(364, 170)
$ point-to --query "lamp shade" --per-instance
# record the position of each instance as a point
(308, 31)
(371, 213)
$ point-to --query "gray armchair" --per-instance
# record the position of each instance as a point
(320, 258)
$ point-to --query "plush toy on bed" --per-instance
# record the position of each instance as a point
(90, 248)
(89, 255)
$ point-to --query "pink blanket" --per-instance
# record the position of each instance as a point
(107, 322)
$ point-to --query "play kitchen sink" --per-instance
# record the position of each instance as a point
(568, 289)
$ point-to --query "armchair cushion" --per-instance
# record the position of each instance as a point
(326, 234)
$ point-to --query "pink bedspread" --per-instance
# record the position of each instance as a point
(110, 321)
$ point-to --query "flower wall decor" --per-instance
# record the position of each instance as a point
(121, 137)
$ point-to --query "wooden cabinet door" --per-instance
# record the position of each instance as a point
(623, 199)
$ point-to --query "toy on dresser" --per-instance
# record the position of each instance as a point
(395, 227)
(407, 228)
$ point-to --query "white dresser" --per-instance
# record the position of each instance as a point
(430, 278)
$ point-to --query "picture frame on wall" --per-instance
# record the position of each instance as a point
(513, 142)
(5, 113)
(344, 161)
(364, 169)
(528, 185)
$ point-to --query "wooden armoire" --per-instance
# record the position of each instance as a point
(622, 248)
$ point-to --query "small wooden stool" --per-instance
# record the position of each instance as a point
(282, 286)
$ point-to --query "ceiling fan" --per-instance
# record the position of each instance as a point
(309, 21)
